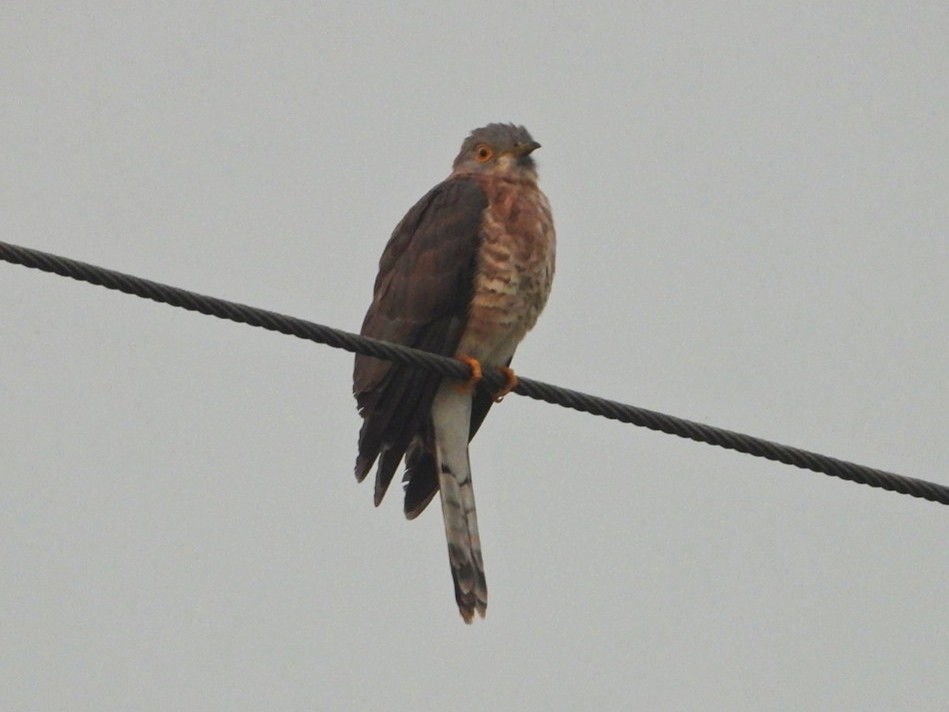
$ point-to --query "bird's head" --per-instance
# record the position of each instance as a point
(499, 149)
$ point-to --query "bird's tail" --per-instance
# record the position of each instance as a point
(451, 415)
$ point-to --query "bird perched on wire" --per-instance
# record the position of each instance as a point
(465, 274)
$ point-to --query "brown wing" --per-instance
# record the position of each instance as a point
(421, 299)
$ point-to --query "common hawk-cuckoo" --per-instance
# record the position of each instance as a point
(465, 274)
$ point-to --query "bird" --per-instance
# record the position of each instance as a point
(465, 274)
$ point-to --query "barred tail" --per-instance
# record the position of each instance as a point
(451, 415)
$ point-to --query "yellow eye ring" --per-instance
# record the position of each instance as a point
(483, 152)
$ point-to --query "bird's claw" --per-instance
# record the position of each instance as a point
(510, 383)
(474, 365)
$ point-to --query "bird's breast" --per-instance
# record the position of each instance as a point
(514, 270)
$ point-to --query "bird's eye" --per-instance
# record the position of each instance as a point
(483, 153)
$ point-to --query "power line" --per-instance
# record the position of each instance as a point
(452, 368)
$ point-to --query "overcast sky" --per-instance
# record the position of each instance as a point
(753, 226)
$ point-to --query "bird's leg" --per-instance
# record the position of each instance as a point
(510, 383)
(475, 366)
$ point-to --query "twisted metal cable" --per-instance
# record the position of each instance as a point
(452, 368)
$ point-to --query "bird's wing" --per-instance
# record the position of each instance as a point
(421, 299)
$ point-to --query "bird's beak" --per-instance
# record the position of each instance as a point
(524, 149)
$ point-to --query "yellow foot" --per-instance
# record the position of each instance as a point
(509, 384)
(475, 366)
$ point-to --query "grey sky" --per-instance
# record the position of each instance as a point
(753, 232)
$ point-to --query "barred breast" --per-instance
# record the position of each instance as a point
(514, 272)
